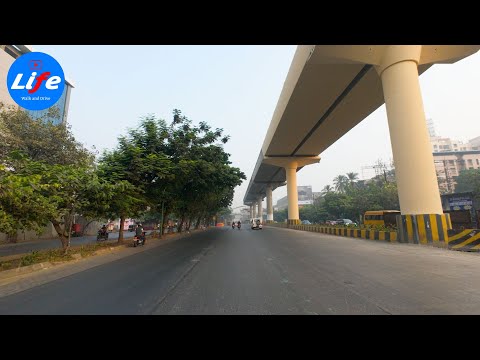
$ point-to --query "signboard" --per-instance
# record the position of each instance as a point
(460, 202)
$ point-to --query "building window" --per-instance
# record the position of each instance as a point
(478, 162)
(451, 162)
(54, 114)
(470, 162)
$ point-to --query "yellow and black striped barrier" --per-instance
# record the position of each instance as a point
(416, 229)
(389, 236)
(424, 229)
(466, 240)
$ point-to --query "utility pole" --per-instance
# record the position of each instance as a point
(445, 169)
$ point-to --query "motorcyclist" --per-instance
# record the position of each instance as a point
(139, 232)
(239, 224)
(102, 233)
(233, 224)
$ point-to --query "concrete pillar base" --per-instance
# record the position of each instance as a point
(293, 222)
(425, 229)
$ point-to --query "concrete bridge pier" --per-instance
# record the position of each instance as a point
(269, 204)
(422, 218)
(291, 164)
(260, 207)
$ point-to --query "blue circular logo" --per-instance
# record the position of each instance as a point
(35, 81)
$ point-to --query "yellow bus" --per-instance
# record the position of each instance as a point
(381, 217)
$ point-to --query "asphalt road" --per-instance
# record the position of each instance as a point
(26, 247)
(271, 271)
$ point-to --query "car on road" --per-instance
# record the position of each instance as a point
(330, 222)
(345, 222)
(306, 222)
(256, 224)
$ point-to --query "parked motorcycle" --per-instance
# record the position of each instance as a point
(102, 235)
(139, 240)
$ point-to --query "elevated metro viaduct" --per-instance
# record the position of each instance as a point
(327, 92)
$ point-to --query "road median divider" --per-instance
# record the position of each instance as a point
(369, 234)
(460, 240)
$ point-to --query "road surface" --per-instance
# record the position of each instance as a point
(26, 247)
(269, 271)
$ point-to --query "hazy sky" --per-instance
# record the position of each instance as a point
(236, 88)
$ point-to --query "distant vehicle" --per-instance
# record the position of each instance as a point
(306, 222)
(139, 240)
(330, 222)
(102, 235)
(346, 222)
(220, 224)
(256, 224)
(381, 217)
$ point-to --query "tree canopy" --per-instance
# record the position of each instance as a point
(47, 176)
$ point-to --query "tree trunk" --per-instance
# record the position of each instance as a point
(164, 220)
(61, 235)
(180, 224)
(187, 227)
(69, 236)
(68, 227)
(12, 237)
(120, 231)
(197, 224)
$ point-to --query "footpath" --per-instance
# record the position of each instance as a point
(25, 247)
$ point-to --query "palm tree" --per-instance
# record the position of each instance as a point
(327, 189)
(341, 183)
(352, 177)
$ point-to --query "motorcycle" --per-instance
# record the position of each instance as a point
(239, 225)
(102, 235)
(139, 240)
(233, 226)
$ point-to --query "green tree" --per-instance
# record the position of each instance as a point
(352, 177)
(280, 215)
(341, 183)
(179, 168)
(57, 193)
(327, 189)
(29, 151)
(468, 180)
(23, 204)
(40, 140)
(133, 168)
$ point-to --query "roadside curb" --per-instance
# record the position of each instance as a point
(25, 270)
